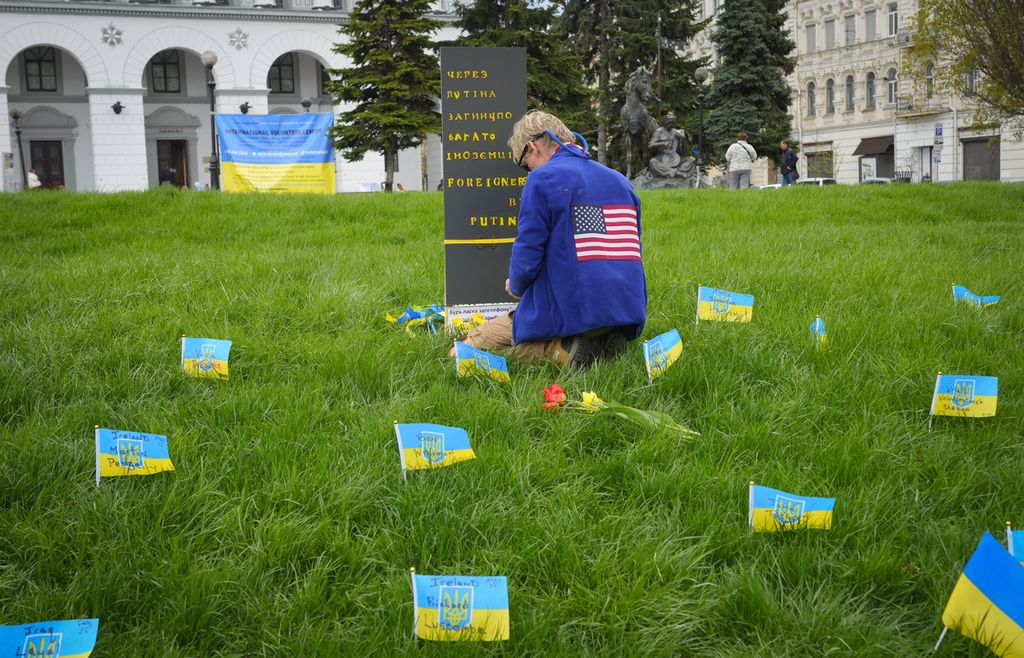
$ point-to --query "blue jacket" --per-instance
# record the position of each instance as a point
(566, 289)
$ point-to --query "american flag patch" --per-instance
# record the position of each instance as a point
(605, 232)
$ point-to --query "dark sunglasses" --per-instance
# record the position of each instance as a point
(526, 146)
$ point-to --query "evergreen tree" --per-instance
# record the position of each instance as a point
(394, 80)
(614, 37)
(554, 79)
(749, 92)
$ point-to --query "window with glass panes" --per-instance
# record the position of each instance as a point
(929, 80)
(165, 72)
(810, 99)
(850, 27)
(41, 69)
(281, 78)
(830, 96)
(869, 91)
(849, 92)
(894, 18)
(811, 42)
(830, 34)
(870, 25)
(890, 78)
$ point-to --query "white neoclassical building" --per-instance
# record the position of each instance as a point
(113, 96)
(856, 110)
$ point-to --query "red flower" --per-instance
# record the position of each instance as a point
(554, 397)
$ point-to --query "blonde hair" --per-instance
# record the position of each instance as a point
(532, 126)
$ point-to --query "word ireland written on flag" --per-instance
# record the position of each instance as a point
(471, 362)
(120, 452)
(425, 445)
(73, 638)
(962, 294)
(774, 510)
(724, 306)
(987, 603)
(460, 608)
(661, 352)
(965, 395)
(605, 232)
(205, 357)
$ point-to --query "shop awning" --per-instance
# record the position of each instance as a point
(874, 146)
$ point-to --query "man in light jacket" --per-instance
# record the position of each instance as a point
(739, 159)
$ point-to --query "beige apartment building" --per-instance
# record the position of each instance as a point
(859, 112)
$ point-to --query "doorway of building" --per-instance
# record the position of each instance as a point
(171, 161)
(48, 159)
(981, 158)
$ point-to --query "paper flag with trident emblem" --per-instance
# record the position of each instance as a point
(424, 445)
(460, 608)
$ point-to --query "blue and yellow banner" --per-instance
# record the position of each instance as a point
(277, 153)
(425, 445)
(774, 510)
(819, 332)
(962, 294)
(724, 306)
(987, 603)
(965, 395)
(120, 452)
(471, 362)
(205, 357)
(460, 608)
(74, 638)
(1015, 543)
(661, 352)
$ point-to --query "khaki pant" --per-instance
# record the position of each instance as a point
(496, 334)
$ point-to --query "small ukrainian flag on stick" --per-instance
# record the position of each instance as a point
(471, 362)
(661, 352)
(819, 333)
(119, 452)
(460, 608)
(723, 306)
(205, 357)
(425, 445)
(987, 602)
(772, 510)
(962, 294)
(970, 396)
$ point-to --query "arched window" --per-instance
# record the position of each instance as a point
(869, 91)
(929, 80)
(41, 69)
(810, 99)
(849, 92)
(165, 72)
(830, 96)
(971, 82)
(281, 78)
(890, 78)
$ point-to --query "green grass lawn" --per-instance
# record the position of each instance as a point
(287, 530)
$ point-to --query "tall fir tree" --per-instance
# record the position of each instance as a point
(554, 79)
(749, 92)
(394, 81)
(614, 37)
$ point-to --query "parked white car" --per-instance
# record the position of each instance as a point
(816, 181)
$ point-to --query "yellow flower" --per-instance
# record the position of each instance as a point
(591, 403)
(478, 319)
(389, 318)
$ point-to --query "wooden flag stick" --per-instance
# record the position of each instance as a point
(401, 449)
(941, 638)
(1009, 539)
(935, 393)
(97, 430)
(750, 506)
(415, 606)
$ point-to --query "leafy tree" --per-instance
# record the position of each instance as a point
(614, 37)
(394, 80)
(979, 40)
(554, 81)
(749, 91)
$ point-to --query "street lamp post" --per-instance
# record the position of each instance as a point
(209, 60)
(16, 115)
(700, 75)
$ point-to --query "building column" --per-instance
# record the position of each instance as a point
(118, 140)
(9, 160)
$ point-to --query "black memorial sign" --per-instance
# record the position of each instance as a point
(483, 94)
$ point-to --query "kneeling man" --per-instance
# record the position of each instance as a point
(576, 264)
